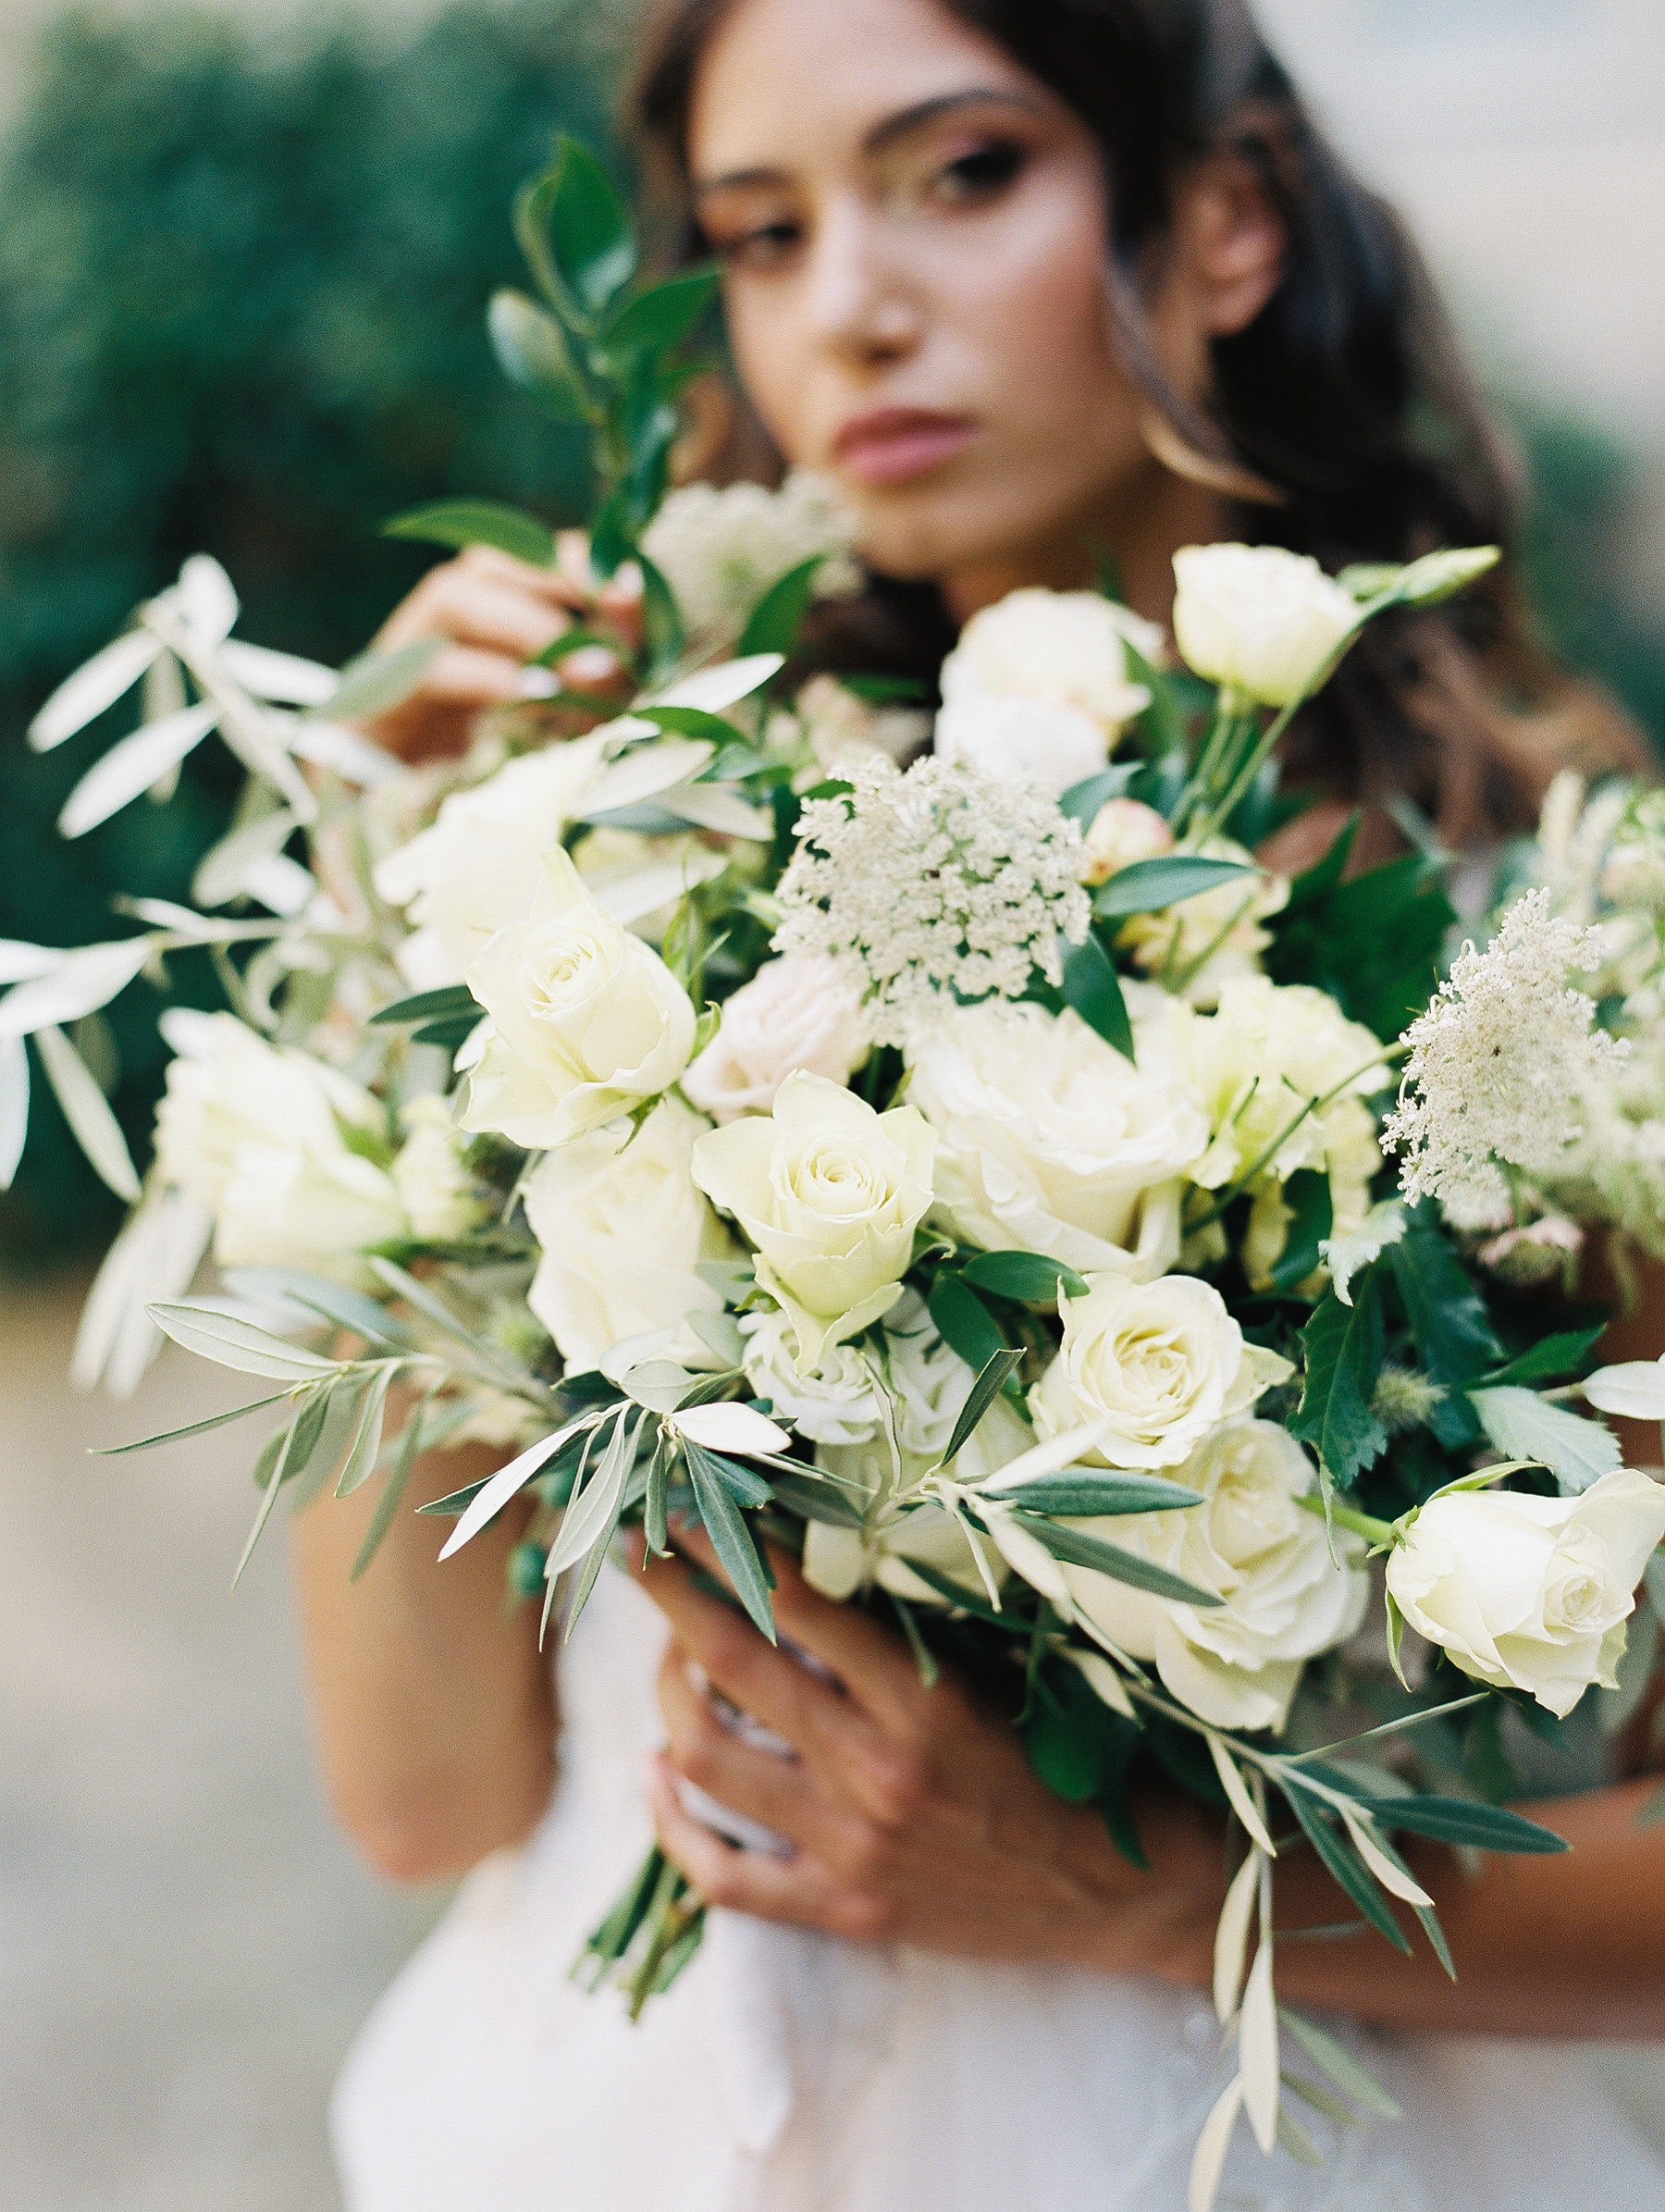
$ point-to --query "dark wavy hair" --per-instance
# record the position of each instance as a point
(1341, 422)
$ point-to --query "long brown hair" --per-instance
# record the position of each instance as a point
(1347, 398)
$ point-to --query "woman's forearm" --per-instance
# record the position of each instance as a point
(434, 1712)
(1572, 1943)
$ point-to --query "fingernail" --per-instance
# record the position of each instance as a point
(590, 664)
(539, 683)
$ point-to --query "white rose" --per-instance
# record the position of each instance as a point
(1530, 1593)
(1123, 831)
(1160, 1363)
(586, 1020)
(1021, 740)
(1251, 1544)
(476, 867)
(798, 1011)
(287, 1205)
(435, 1188)
(622, 1229)
(228, 1087)
(1204, 942)
(1257, 620)
(831, 1194)
(1251, 1065)
(832, 1403)
(1048, 1140)
(1060, 649)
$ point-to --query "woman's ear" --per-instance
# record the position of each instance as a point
(1229, 243)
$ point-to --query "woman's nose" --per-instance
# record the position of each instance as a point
(860, 302)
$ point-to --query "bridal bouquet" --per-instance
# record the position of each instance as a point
(961, 1166)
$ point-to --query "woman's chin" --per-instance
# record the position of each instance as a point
(922, 533)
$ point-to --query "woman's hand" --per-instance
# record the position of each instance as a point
(497, 614)
(914, 1813)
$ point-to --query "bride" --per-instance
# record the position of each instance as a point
(1033, 281)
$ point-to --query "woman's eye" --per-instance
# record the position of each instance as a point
(982, 173)
(759, 248)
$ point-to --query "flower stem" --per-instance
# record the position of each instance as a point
(1383, 1534)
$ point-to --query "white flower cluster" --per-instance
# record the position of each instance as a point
(1498, 1065)
(721, 550)
(944, 884)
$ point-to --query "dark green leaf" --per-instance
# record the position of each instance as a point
(687, 722)
(1563, 1354)
(731, 1539)
(1317, 882)
(887, 691)
(533, 353)
(477, 522)
(1162, 732)
(746, 1484)
(1083, 801)
(1085, 1494)
(1093, 989)
(449, 1035)
(1307, 1193)
(1462, 1821)
(1083, 1551)
(393, 1489)
(575, 231)
(1436, 1938)
(664, 315)
(1346, 1866)
(774, 623)
(1145, 885)
(815, 1501)
(1030, 1277)
(998, 1366)
(1343, 1345)
(374, 682)
(1066, 1736)
(924, 1657)
(966, 1322)
(451, 1002)
(661, 620)
(1454, 1339)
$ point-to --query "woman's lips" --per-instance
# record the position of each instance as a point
(894, 443)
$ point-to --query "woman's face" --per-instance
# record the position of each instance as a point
(914, 236)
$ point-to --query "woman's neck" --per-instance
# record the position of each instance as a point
(1140, 533)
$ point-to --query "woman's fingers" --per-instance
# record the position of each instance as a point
(766, 1786)
(750, 1671)
(458, 603)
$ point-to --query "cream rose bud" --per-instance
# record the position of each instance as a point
(291, 1207)
(1252, 1544)
(435, 1189)
(798, 1011)
(586, 1020)
(1530, 1593)
(623, 1230)
(1159, 1363)
(1123, 831)
(1257, 620)
(476, 867)
(831, 1194)
(1048, 1140)
(1059, 648)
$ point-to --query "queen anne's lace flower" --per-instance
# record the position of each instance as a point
(1498, 1065)
(944, 881)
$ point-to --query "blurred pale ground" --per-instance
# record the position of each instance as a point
(185, 1945)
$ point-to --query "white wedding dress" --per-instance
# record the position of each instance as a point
(790, 2073)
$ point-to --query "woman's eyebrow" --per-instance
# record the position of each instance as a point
(883, 134)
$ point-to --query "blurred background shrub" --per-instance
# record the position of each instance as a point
(243, 277)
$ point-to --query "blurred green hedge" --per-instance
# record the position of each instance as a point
(241, 290)
(242, 281)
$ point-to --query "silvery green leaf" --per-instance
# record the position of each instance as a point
(156, 1256)
(96, 685)
(130, 768)
(393, 1489)
(209, 1330)
(733, 1429)
(281, 885)
(329, 1439)
(720, 1333)
(504, 1485)
(1241, 1803)
(589, 1519)
(293, 1444)
(1048, 1458)
(334, 1301)
(634, 1352)
(365, 1447)
(375, 682)
(1335, 2059)
(1292, 2137)
(659, 1384)
(1382, 1859)
(222, 872)
(732, 1540)
(1634, 1389)
(87, 1111)
(14, 1106)
(333, 744)
(1315, 2094)
(712, 806)
(1231, 1939)
(20, 963)
(205, 597)
(81, 982)
(1520, 1423)
(1208, 2160)
(644, 773)
(283, 677)
(175, 1436)
(712, 689)
(1344, 1256)
(1257, 2049)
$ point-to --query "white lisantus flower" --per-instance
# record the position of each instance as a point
(1530, 1593)
(586, 1020)
(1498, 1065)
(835, 1402)
(940, 885)
(831, 1194)
(793, 1013)
(1251, 1543)
(438, 1194)
(720, 551)
(1260, 622)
